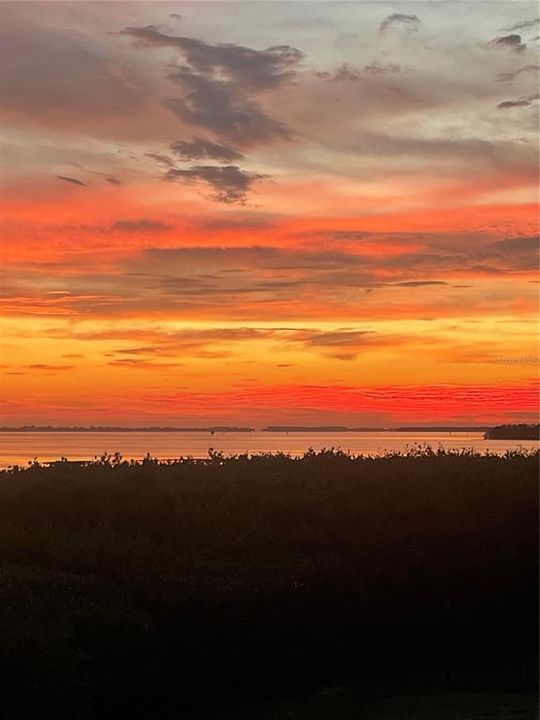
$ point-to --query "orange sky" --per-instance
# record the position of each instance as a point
(254, 216)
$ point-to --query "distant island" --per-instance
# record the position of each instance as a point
(344, 428)
(443, 428)
(277, 428)
(109, 429)
(514, 432)
(314, 428)
(500, 432)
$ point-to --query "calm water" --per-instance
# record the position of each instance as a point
(18, 448)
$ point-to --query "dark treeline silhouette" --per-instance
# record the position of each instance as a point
(514, 432)
(345, 428)
(113, 428)
(235, 429)
(169, 590)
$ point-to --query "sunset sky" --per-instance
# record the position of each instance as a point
(269, 213)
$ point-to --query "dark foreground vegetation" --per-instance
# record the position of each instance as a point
(230, 586)
(514, 432)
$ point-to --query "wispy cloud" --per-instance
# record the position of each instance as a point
(201, 149)
(401, 20)
(521, 102)
(71, 181)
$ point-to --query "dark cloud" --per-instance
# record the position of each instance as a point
(253, 69)
(517, 244)
(244, 220)
(229, 184)
(223, 108)
(224, 281)
(184, 343)
(509, 76)
(418, 283)
(201, 149)
(522, 102)
(161, 159)
(336, 338)
(411, 22)
(72, 181)
(142, 364)
(523, 25)
(508, 42)
(140, 226)
(343, 343)
(348, 73)
(377, 68)
(219, 80)
(108, 177)
(46, 366)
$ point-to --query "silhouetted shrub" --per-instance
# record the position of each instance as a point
(168, 589)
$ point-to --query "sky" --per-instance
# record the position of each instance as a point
(269, 212)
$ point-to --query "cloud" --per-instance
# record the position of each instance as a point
(522, 102)
(202, 343)
(508, 42)
(219, 81)
(143, 364)
(379, 144)
(229, 184)
(161, 159)
(71, 180)
(348, 73)
(410, 22)
(509, 76)
(108, 177)
(517, 244)
(255, 69)
(337, 338)
(218, 342)
(523, 25)
(46, 366)
(310, 280)
(376, 68)
(418, 283)
(201, 149)
(57, 77)
(140, 226)
(223, 108)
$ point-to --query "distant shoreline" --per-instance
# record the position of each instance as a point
(501, 432)
(232, 429)
(99, 429)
